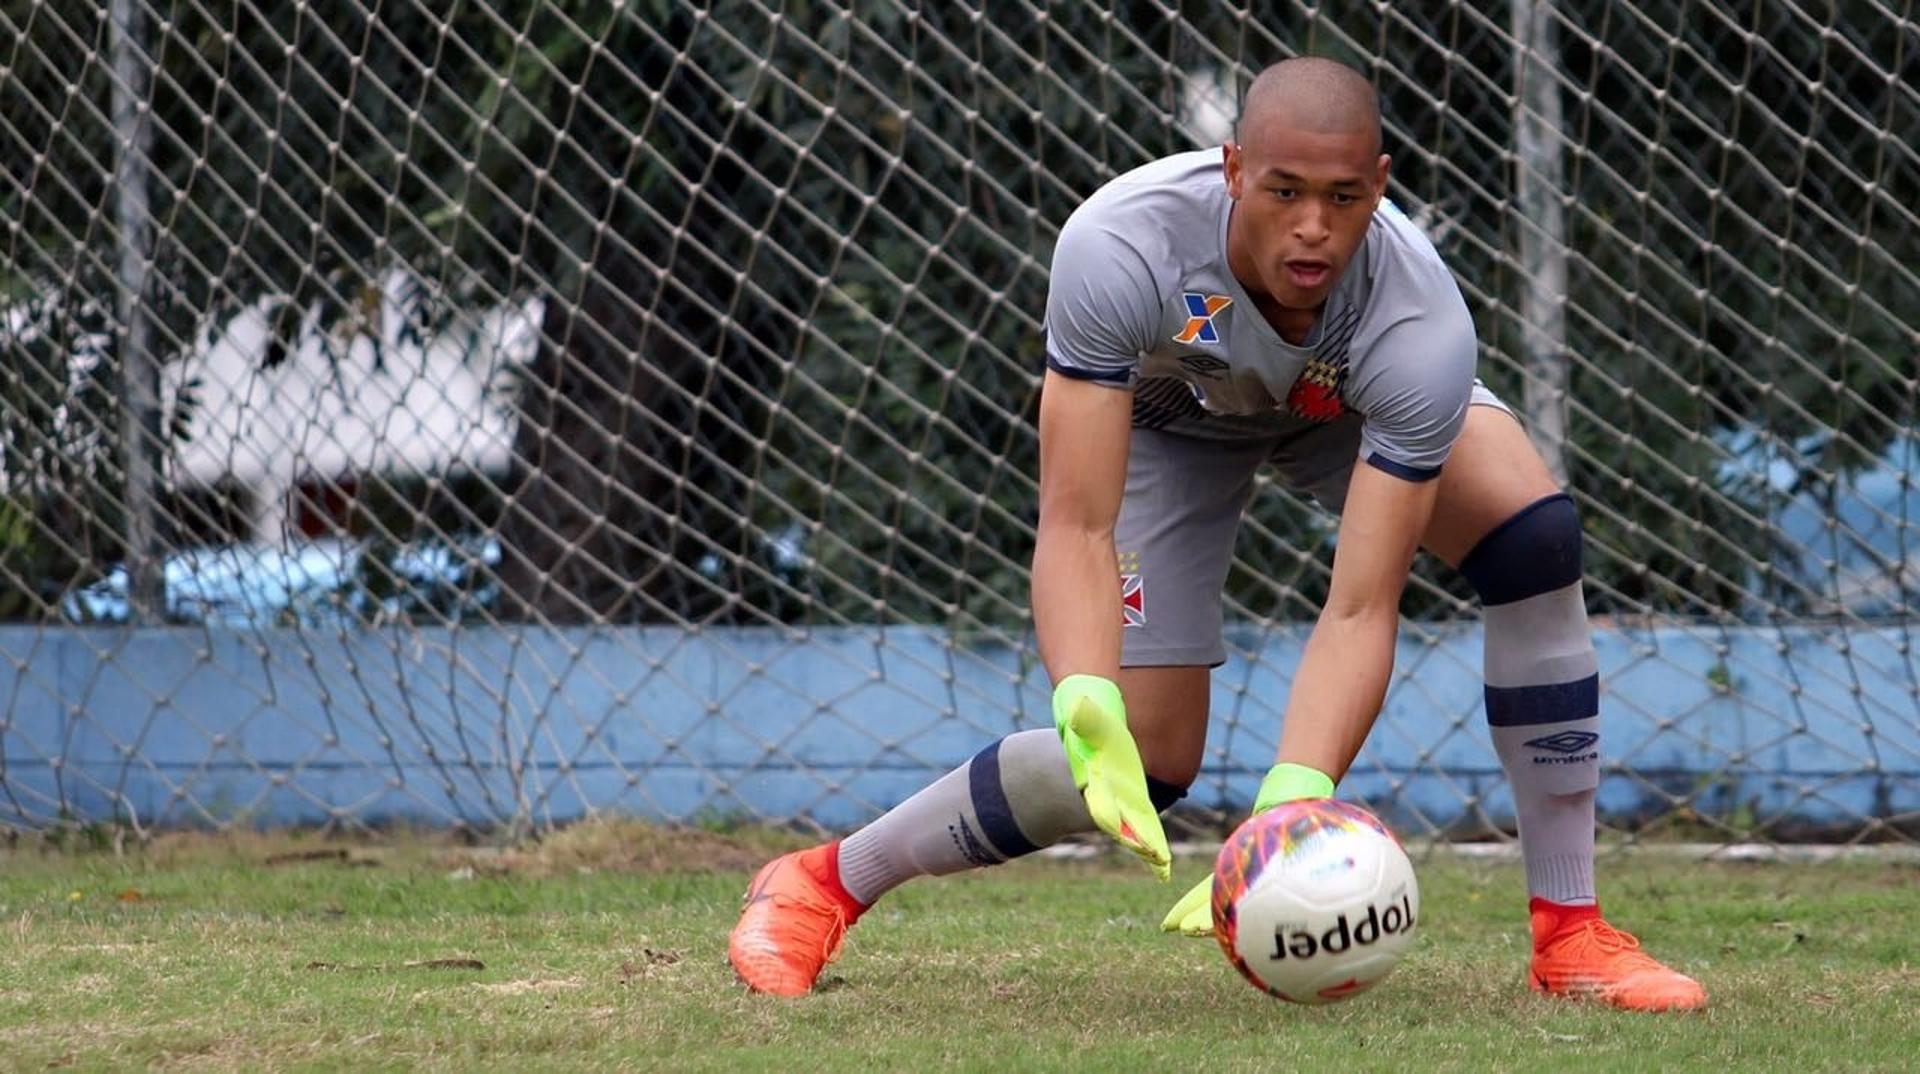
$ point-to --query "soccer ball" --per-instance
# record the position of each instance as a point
(1314, 900)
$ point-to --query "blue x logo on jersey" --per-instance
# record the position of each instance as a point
(1200, 312)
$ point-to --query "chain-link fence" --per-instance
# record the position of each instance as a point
(494, 410)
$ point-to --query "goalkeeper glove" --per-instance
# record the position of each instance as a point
(1285, 782)
(1092, 722)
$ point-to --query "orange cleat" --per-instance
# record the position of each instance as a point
(1576, 953)
(795, 916)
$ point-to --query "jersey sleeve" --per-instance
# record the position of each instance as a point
(1102, 305)
(1416, 382)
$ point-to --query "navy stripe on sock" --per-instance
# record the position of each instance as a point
(1520, 706)
(990, 805)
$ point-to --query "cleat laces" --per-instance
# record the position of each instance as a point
(1596, 937)
(832, 917)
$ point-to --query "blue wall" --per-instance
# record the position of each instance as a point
(194, 726)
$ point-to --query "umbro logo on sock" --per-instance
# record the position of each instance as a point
(1572, 746)
(969, 844)
(1565, 741)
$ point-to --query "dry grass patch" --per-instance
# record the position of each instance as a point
(536, 985)
(625, 846)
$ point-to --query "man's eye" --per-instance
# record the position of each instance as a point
(1344, 199)
(1285, 193)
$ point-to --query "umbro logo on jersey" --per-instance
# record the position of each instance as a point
(1565, 741)
(1204, 365)
(1201, 310)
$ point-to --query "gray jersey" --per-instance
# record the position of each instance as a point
(1141, 298)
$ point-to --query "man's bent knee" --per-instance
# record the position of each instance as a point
(1536, 551)
(1163, 794)
(1167, 713)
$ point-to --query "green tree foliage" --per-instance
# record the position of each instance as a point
(792, 258)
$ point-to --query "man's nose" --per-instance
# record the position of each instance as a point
(1310, 223)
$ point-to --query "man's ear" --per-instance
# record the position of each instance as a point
(1230, 162)
(1380, 180)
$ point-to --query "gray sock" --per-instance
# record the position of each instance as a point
(1542, 705)
(1012, 798)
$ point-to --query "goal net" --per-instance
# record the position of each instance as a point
(493, 412)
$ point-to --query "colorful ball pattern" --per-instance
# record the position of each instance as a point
(1267, 838)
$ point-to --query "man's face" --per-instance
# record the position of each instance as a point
(1304, 200)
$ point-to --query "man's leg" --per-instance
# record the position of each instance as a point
(1017, 795)
(1175, 539)
(1506, 525)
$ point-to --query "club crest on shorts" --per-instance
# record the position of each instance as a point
(1201, 310)
(1133, 591)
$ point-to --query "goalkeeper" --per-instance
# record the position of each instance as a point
(1209, 314)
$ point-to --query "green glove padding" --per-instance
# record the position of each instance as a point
(1286, 782)
(1092, 722)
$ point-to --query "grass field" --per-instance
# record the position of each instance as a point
(603, 948)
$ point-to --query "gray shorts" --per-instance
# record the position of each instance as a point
(1181, 513)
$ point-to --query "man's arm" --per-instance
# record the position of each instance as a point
(1084, 433)
(1343, 674)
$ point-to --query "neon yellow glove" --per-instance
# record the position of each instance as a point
(1092, 722)
(1287, 782)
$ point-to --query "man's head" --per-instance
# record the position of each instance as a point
(1306, 173)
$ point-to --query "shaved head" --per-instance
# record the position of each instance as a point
(1305, 175)
(1312, 94)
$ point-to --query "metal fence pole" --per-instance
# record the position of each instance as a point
(139, 375)
(1538, 182)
